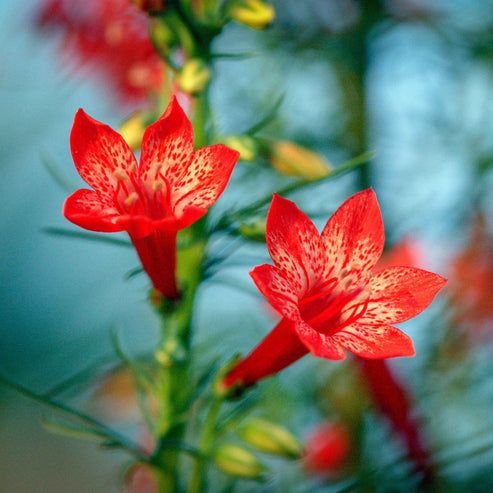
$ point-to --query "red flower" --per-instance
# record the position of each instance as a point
(111, 36)
(327, 448)
(323, 287)
(173, 187)
(471, 280)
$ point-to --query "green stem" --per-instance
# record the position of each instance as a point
(205, 445)
(174, 359)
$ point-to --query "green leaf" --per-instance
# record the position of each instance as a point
(55, 170)
(59, 427)
(241, 214)
(132, 273)
(81, 235)
(144, 383)
(268, 118)
(79, 377)
(237, 56)
(79, 415)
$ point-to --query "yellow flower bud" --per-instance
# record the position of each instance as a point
(253, 231)
(132, 130)
(237, 461)
(253, 13)
(245, 145)
(295, 160)
(271, 438)
(194, 76)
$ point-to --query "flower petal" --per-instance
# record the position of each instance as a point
(277, 290)
(280, 348)
(294, 244)
(167, 146)
(319, 344)
(400, 293)
(203, 181)
(354, 235)
(98, 151)
(370, 341)
(89, 210)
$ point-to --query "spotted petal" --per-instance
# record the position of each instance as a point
(89, 210)
(319, 344)
(167, 146)
(382, 341)
(354, 235)
(400, 293)
(203, 181)
(98, 152)
(294, 244)
(277, 290)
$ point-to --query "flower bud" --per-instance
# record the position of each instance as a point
(151, 6)
(295, 160)
(254, 231)
(253, 13)
(194, 76)
(162, 35)
(237, 461)
(270, 438)
(132, 130)
(245, 145)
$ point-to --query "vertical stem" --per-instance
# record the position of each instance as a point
(174, 359)
(196, 484)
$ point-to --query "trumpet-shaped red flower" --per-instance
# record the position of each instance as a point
(173, 187)
(323, 287)
(111, 36)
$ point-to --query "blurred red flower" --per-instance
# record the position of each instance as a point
(173, 187)
(327, 448)
(324, 288)
(471, 280)
(110, 36)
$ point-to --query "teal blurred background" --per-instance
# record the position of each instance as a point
(423, 101)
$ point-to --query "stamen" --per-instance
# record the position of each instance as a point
(356, 266)
(119, 174)
(355, 315)
(157, 186)
(335, 306)
(328, 287)
(130, 200)
(331, 310)
(157, 168)
(348, 282)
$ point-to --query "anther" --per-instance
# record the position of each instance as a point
(120, 174)
(130, 200)
(157, 186)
